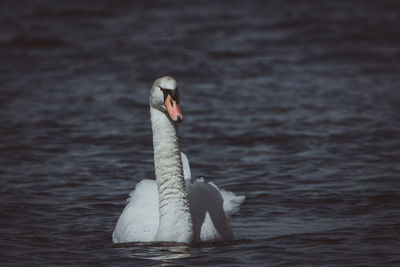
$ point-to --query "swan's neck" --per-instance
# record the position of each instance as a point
(175, 219)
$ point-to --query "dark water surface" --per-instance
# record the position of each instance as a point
(294, 104)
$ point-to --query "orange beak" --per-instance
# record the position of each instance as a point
(173, 109)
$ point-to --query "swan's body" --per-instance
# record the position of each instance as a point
(173, 208)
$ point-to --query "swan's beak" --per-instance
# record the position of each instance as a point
(173, 109)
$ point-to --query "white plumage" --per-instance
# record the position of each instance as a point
(172, 207)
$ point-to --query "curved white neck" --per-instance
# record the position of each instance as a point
(175, 219)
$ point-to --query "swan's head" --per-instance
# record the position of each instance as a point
(164, 96)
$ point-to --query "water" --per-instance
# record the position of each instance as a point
(293, 104)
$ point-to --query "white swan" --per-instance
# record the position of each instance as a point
(173, 208)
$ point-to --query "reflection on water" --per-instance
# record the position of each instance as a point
(161, 251)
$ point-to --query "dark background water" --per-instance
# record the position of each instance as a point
(294, 104)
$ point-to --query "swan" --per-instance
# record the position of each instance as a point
(174, 207)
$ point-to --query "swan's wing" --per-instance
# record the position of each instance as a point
(186, 167)
(139, 220)
(211, 208)
(208, 217)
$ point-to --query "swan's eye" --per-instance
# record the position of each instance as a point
(173, 93)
